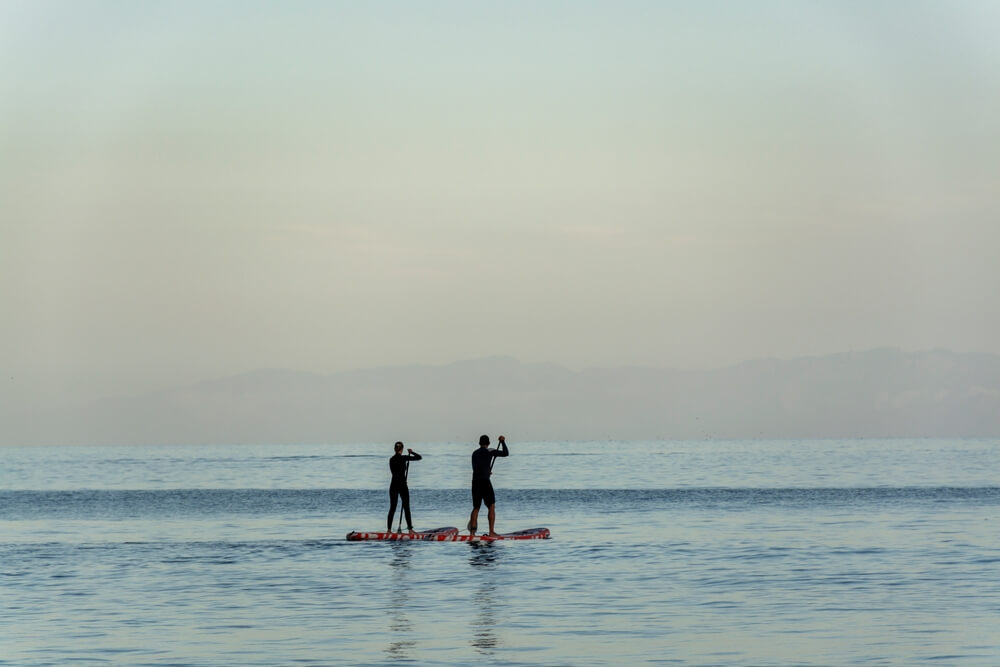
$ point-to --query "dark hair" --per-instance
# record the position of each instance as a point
(398, 445)
(484, 440)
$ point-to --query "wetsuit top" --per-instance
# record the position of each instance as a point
(482, 458)
(397, 465)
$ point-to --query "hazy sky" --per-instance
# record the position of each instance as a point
(192, 189)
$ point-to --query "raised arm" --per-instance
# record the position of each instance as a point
(502, 452)
(413, 456)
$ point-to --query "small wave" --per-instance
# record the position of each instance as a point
(301, 457)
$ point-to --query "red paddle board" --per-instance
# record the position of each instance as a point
(530, 534)
(427, 535)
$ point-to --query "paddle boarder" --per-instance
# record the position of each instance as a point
(399, 465)
(482, 488)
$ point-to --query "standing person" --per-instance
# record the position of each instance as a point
(398, 466)
(482, 488)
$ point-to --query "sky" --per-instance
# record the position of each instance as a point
(195, 189)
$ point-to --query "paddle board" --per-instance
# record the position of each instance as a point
(427, 535)
(529, 534)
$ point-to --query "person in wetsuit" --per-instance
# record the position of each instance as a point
(397, 487)
(482, 488)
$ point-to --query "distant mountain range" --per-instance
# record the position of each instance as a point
(876, 393)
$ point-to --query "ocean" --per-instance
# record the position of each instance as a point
(832, 552)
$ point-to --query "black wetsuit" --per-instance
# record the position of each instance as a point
(482, 463)
(398, 488)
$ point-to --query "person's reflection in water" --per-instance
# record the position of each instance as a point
(400, 626)
(484, 558)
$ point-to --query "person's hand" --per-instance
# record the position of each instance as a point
(502, 440)
(410, 450)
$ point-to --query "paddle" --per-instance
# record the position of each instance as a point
(494, 459)
(406, 472)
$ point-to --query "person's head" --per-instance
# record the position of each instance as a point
(484, 441)
(399, 448)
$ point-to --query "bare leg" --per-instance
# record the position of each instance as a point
(493, 517)
(473, 521)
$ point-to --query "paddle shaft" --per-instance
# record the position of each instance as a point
(406, 473)
(494, 459)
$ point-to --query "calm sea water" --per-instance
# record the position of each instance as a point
(717, 553)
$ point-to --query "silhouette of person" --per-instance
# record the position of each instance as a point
(398, 466)
(482, 488)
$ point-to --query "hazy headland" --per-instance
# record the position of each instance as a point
(875, 393)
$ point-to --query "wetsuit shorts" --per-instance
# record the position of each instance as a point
(482, 492)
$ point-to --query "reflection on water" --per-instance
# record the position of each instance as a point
(400, 626)
(484, 558)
